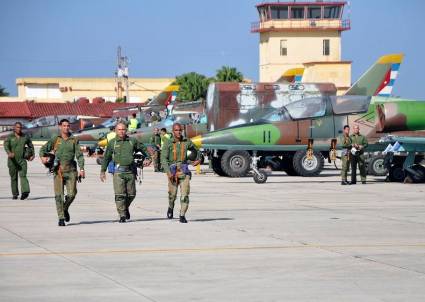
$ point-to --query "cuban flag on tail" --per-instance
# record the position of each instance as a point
(387, 85)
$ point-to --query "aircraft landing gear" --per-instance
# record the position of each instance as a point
(259, 176)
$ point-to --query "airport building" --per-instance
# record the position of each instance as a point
(59, 90)
(303, 36)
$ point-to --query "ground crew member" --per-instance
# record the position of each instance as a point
(19, 149)
(111, 134)
(133, 123)
(120, 156)
(345, 155)
(164, 136)
(66, 149)
(174, 160)
(156, 143)
(359, 143)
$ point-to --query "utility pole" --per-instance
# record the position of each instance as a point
(122, 75)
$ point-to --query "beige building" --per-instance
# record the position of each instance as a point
(71, 89)
(302, 35)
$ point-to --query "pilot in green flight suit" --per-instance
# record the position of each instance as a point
(121, 151)
(174, 160)
(345, 142)
(66, 148)
(359, 142)
(19, 149)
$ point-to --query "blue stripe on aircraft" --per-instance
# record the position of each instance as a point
(395, 67)
(384, 94)
(391, 82)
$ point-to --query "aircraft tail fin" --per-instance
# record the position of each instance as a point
(292, 75)
(378, 79)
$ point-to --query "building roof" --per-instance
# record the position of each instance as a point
(32, 110)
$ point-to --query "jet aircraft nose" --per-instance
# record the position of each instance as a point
(197, 141)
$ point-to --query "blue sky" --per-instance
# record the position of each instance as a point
(166, 38)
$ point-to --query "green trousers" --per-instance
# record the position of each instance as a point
(184, 184)
(345, 167)
(68, 180)
(125, 191)
(18, 167)
(361, 162)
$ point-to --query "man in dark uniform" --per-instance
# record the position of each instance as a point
(175, 161)
(358, 143)
(19, 149)
(120, 153)
(66, 149)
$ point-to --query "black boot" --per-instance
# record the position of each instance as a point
(122, 220)
(24, 195)
(15, 197)
(61, 222)
(170, 213)
(183, 219)
(66, 214)
(344, 183)
(127, 214)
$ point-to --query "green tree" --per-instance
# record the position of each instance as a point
(193, 86)
(3, 91)
(228, 74)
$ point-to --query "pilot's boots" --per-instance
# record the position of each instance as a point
(61, 222)
(15, 197)
(183, 219)
(344, 183)
(170, 214)
(127, 214)
(25, 195)
(66, 214)
(122, 220)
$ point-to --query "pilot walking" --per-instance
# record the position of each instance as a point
(66, 149)
(345, 142)
(120, 154)
(359, 144)
(19, 149)
(175, 162)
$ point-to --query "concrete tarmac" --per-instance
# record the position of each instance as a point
(291, 239)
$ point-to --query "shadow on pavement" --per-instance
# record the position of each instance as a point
(210, 219)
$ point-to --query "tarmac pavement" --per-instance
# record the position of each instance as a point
(290, 239)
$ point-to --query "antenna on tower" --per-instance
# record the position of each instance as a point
(122, 75)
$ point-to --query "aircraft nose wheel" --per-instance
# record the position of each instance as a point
(260, 177)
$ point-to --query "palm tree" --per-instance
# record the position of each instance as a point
(193, 86)
(3, 91)
(229, 74)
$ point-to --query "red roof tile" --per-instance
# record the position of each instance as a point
(34, 110)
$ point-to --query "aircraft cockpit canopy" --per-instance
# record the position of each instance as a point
(350, 104)
(42, 122)
(302, 109)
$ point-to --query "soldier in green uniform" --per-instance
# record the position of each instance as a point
(345, 142)
(174, 160)
(119, 155)
(66, 149)
(359, 143)
(19, 149)
(156, 142)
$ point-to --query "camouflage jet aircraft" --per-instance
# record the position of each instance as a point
(45, 127)
(294, 131)
(234, 161)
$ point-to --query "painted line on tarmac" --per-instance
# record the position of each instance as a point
(209, 249)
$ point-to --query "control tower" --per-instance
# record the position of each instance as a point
(303, 35)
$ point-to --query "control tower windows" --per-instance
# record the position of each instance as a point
(332, 12)
(297, 12)
(315, 12)
(326, 47)
(283, 48)
(279, 12)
